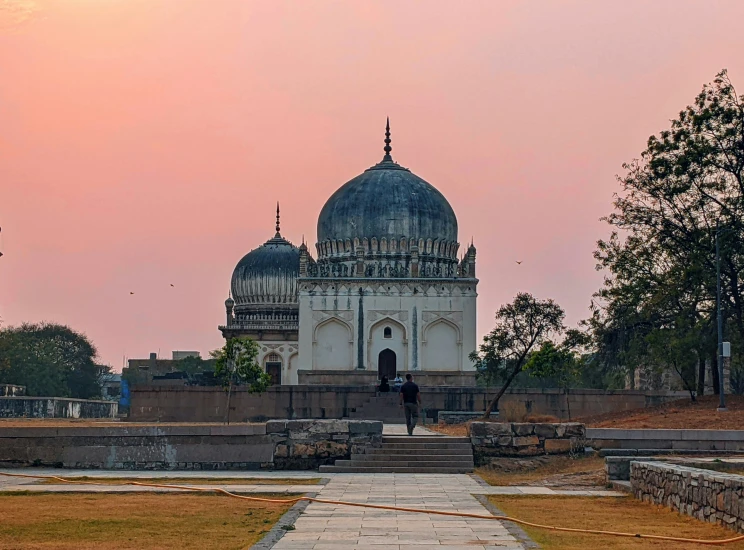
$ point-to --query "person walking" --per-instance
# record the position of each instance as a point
(410, 400)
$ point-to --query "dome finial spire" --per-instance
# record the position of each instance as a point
(277, 220)
(387, 148)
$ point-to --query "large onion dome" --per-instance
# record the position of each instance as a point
(268, 274)
(387, 202)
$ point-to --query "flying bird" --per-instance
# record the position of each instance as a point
(520, 262)
(172, 284)
(131, 293)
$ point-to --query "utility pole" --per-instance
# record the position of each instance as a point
(721, 385)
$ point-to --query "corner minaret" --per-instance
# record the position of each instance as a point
(229, 305)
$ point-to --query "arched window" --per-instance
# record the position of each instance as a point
(387, 333)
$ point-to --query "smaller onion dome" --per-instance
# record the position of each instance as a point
(267, 274)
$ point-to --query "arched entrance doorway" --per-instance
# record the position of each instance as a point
(274, 368)
(387, 364)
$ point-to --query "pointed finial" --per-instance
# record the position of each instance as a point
(387, 147)
(277, 220)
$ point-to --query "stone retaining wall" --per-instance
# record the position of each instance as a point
(207, 404)
(645, 440)
(56, 407)
(492, 439)
(306, 444)
(703, 494)
(296, 444)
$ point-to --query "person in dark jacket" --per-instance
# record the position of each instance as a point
(384, 385)
(410, 400)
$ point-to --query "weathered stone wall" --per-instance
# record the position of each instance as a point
(56, 407)
(494, 439)
(296, 444)
(207, 404)
(703, 494)
(306, 444)
(646, 440)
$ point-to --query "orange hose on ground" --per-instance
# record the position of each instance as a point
(719, 542)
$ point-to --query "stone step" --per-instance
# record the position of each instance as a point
(406, 464)
(378, 414)
(382, 418)
(424, 439)
(417, 447)
(415, 456)
(392, 470)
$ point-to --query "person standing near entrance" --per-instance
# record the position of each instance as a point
(410, 400)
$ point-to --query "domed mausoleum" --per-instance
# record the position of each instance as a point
(387, 292)
(263, 302)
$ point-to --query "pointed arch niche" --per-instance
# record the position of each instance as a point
(442, 346)
(333, 345)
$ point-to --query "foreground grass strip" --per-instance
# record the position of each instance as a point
(187, 480)
(611, 514)
(133, 521)
(555, 466)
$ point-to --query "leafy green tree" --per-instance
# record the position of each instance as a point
(520, 327)
(192, 365)
(50, 360)
(235, 364)
(660, 257)
(562, 363)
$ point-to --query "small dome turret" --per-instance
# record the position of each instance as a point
(267, 274)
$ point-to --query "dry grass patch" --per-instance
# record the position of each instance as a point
(186, 480)
(523, 471)
(682, 414)
(456, 430)
(623, 514)
(133, 521)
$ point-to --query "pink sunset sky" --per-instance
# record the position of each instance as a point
(145, 143)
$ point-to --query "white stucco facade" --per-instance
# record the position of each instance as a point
(285, 353)
(430, 324)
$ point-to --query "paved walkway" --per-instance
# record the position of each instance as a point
(326, 526)
(400, 429)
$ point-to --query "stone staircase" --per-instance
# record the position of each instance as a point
(410, 455)
(384, 407)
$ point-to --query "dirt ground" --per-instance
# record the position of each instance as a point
(621, 514)
(132, 521)
(682, 414)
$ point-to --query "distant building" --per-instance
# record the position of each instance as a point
(111, 386)
(177, 355)
(144, 371)
(11, 390)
